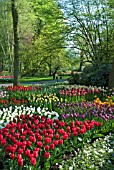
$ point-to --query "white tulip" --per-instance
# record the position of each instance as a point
(1, 122)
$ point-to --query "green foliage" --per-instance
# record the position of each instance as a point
(45, 53)
(6, 80)
(74, 79)
(91, 31)
(95, 75)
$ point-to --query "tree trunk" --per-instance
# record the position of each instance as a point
(111, 77)
(54, 73)
(81, 62)
(16, 42)
(1, 64)
(50, 70)
(50, 66)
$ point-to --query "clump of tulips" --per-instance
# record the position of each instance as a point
(108, 101)
(33, 141)
(85, 110)
(12, 102)
(9, 113)
(79, 93)
(22, 88)
(43, 100)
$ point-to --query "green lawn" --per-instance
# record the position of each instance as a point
(33, 79)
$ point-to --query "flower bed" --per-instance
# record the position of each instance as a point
(42, 128)
(6, 79)
(30, 139)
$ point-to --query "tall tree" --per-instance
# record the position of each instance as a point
(111, 76)
(16, 42)
(48, 38)
(6, 40)
(91, 28)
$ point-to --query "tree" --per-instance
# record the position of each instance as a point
(48, 39)
(6, 40)
(91, 29)
(111, 76)
(37, 38)
(16, 42)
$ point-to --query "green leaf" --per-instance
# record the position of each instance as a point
(47, 165)
(98, 135)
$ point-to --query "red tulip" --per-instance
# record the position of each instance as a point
(57, 136)
(3, 142)
(75, 133)
(20, 151)
(46, 147)
(47, 140)
(12, 156)
(60, 141)
(33, 160)
(55, 142)
(52, 146)
(46, 155)
(39, 143)
(35, 153)
(29, 143)
(82, 131)
(20, 161)
(27, 152)
(68, 128)
(1, 137)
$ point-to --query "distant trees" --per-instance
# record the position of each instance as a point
(6, 36)
(46, 51)
(91, 29)
(33, 37)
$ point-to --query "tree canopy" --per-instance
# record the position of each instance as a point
(54, 35)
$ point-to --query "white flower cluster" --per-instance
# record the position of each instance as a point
(94, 156)
(3, 94)
(52, 115)
(8, 114)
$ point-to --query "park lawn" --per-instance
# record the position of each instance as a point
(43, 78)
(34, 79)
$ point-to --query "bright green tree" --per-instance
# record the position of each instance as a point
(6, 34)
(91, 29)
(48, 40)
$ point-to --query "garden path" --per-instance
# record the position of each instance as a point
(38, 82)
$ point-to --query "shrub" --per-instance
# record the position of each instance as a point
(95, 75)
(74, 79)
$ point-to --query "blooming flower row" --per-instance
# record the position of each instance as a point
(43, 98)
(28, 137)
(12, 101)
(84, 110)
(97, 155)
(6, 77)
(78, 91)
(108, 102)
(22, 88)
(8, 114)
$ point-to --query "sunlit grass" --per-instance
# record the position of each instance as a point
(45, 78)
